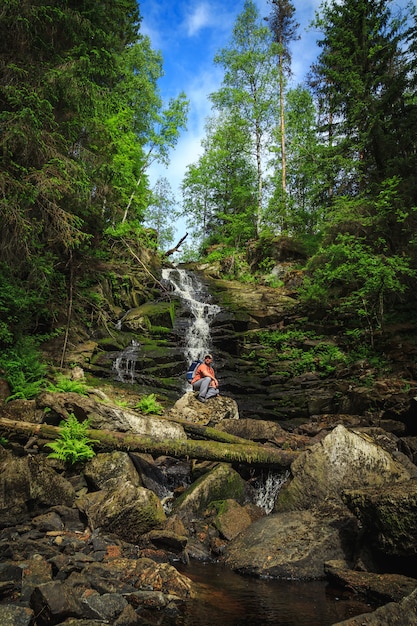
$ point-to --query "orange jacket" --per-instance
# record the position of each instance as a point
(204, 370)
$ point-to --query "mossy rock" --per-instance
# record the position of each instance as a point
(148, 315)
(221, 483)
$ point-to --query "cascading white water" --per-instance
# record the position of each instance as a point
(125, 363)
(267, 488)
(186, 285)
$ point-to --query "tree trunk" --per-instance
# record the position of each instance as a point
(249, 452)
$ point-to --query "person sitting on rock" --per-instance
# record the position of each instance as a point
(204, 381)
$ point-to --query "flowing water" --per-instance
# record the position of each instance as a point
(124, 365)
(194, 295)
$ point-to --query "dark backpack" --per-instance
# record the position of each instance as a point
(191, 370)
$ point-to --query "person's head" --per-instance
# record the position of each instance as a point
(208, 358)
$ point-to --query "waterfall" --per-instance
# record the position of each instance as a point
(194, 295)
(267, 488)
(125, 363)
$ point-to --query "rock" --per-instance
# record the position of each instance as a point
(388, 516)
(110, 417)
(342, 458)
(377, 588)
(37, 572)
(128, 511)
(163, 577)
(255, 430)
(143, 317)
(166, 540)
(230, 518)
(288, 546)
(77, 373)
(53, 602)
(263, 305)
(22, 411)
(211, 413)
(221, 483)
(30, 483)
(47, 522)
(106, 607)
(107, 470)
(402, 613)
(12, 615)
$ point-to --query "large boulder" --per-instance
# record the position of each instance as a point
(221, 483)
(388, 516)
(211, 413)
(127, 511)
(343, 458)
(30, 483)
(107, 416)
(107, 470)
(402, 613)
(252, 429)
(288, 545)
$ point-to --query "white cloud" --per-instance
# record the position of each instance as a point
(198, 19)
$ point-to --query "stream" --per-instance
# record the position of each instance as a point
(230, 599)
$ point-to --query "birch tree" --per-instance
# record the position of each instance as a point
(250, 87)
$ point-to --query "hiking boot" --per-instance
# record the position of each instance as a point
(201, 399)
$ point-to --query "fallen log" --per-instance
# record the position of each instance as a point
(249, 452)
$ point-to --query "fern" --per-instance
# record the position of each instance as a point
(149, 404)
(66, 385)
(73, 446)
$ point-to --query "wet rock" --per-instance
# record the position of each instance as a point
(230, 518)
(220, 483)
(342, 458)
(106, 470)
(166, 540)
(163, 577)
(288, 545)
(128, 511)
(402, 613)
(29, 483)
(211, 413)
(388, 516)
(377, 588)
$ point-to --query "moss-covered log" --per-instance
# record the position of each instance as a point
(248, 452)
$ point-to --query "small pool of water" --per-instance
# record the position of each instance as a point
(228, 599)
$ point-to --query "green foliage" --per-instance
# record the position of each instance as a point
(74, 445)
(250, 89)
(3, 441)
(354, 278)
(150, 405)
(24, 369)
(162, 213)
(66, 385)
(301, 351)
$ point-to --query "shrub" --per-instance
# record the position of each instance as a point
(25, 371)
(149, 404)
(74, 445)
(66, 385)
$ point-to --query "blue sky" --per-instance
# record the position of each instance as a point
(189, 33)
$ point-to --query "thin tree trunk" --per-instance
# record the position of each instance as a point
(248, 452)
